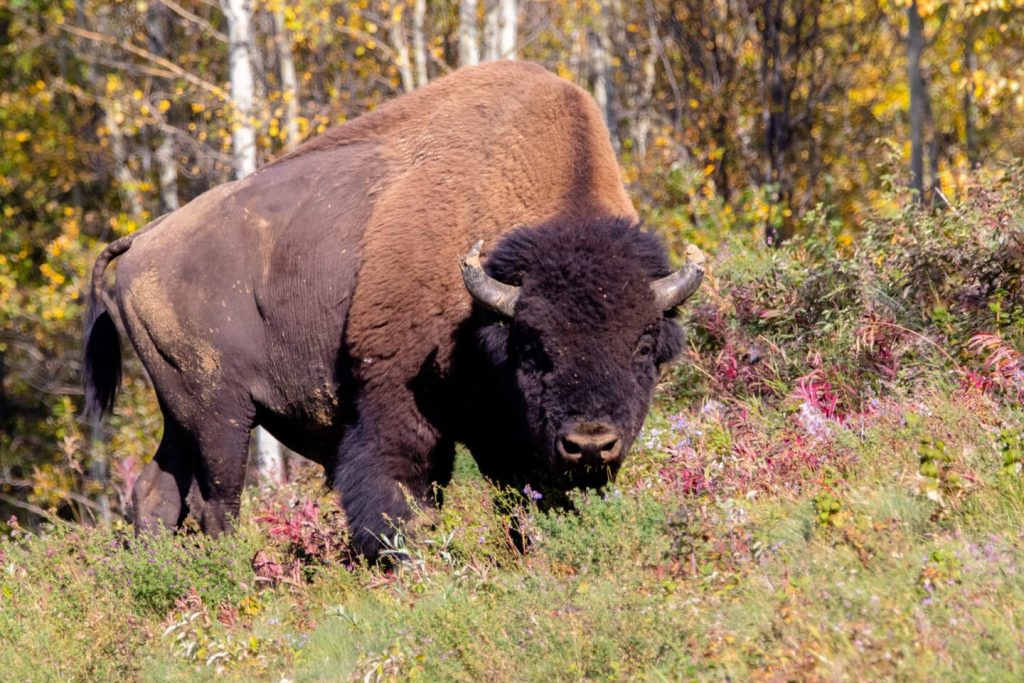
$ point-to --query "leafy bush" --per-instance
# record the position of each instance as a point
(916, 293)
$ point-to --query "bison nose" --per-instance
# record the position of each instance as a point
(590, 443)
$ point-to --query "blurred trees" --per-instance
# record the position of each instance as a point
(730, 115)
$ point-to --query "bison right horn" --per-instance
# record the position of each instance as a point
(674, 289)
(493, 294)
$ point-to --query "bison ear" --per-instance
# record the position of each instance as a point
(493, 294)
(674, 289)
(670, 341)
(493, 341)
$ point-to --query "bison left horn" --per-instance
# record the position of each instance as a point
(674, 289)
(493, 294)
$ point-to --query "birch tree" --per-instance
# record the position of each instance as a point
(269, 454)
(157, 35)
(243, 135)
(600, 64)
(469, 50)
(508, 16)
(490, 37)
(289, 81)
(400, 47)
(419, 41)
(500, 18)
(915, 45)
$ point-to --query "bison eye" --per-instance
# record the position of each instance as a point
(644, 349)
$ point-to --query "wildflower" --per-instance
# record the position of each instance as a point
(813, 421)
(712, 407)
(531, 494)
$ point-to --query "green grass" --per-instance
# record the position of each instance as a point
(868, 570)
(828, 488)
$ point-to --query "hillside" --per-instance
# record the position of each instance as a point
(829, 487)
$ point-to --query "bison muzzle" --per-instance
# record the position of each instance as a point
(461, 265)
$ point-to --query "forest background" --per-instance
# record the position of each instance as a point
(731, 117)
(828, 486)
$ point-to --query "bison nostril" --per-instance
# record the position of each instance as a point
(591, 443)
(570, 449)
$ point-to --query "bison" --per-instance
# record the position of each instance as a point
(330, 298)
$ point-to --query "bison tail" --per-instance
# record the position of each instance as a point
(101, 357)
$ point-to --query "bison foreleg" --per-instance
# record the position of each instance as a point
(387, 484)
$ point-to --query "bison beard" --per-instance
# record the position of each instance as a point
(326, 304)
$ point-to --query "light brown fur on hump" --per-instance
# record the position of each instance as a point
(473, 156)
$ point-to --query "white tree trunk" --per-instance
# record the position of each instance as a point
(289, 81)
(419, 41)
(243, 138)
(600, 64)
(157, 31)
(469, 49)
(269, 454)
(507, 20)
(127, 183)
(168, 173)
(401, 49)
(269, 458)
(492, 22)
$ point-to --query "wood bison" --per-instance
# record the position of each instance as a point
(322, 297)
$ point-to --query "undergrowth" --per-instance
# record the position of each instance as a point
(829, 487)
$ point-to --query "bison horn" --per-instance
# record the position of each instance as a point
(495, 295)
(674, 289)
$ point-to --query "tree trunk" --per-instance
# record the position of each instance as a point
(167, 173)
(3, 392)
(157, 28)
(469, 50)
(778, 130)
(127, 183)
(600, 65)
(269, 454)
(491, 30)
(970, 123)
(419, 41)
(401, 49)
(269, 459)
(243, 139)
(642, 118)
(507, 22)
(289, 81)
(915, 45)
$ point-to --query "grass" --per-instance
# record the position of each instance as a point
(870, 566)
(828, 488)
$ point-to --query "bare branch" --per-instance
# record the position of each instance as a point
(212, 88)
(194, 18)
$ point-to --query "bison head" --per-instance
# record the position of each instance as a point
(581, 319)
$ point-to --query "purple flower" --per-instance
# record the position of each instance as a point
(680, 423)
(531, 494)
(813, 421)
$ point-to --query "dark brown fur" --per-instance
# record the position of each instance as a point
(321, 298)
